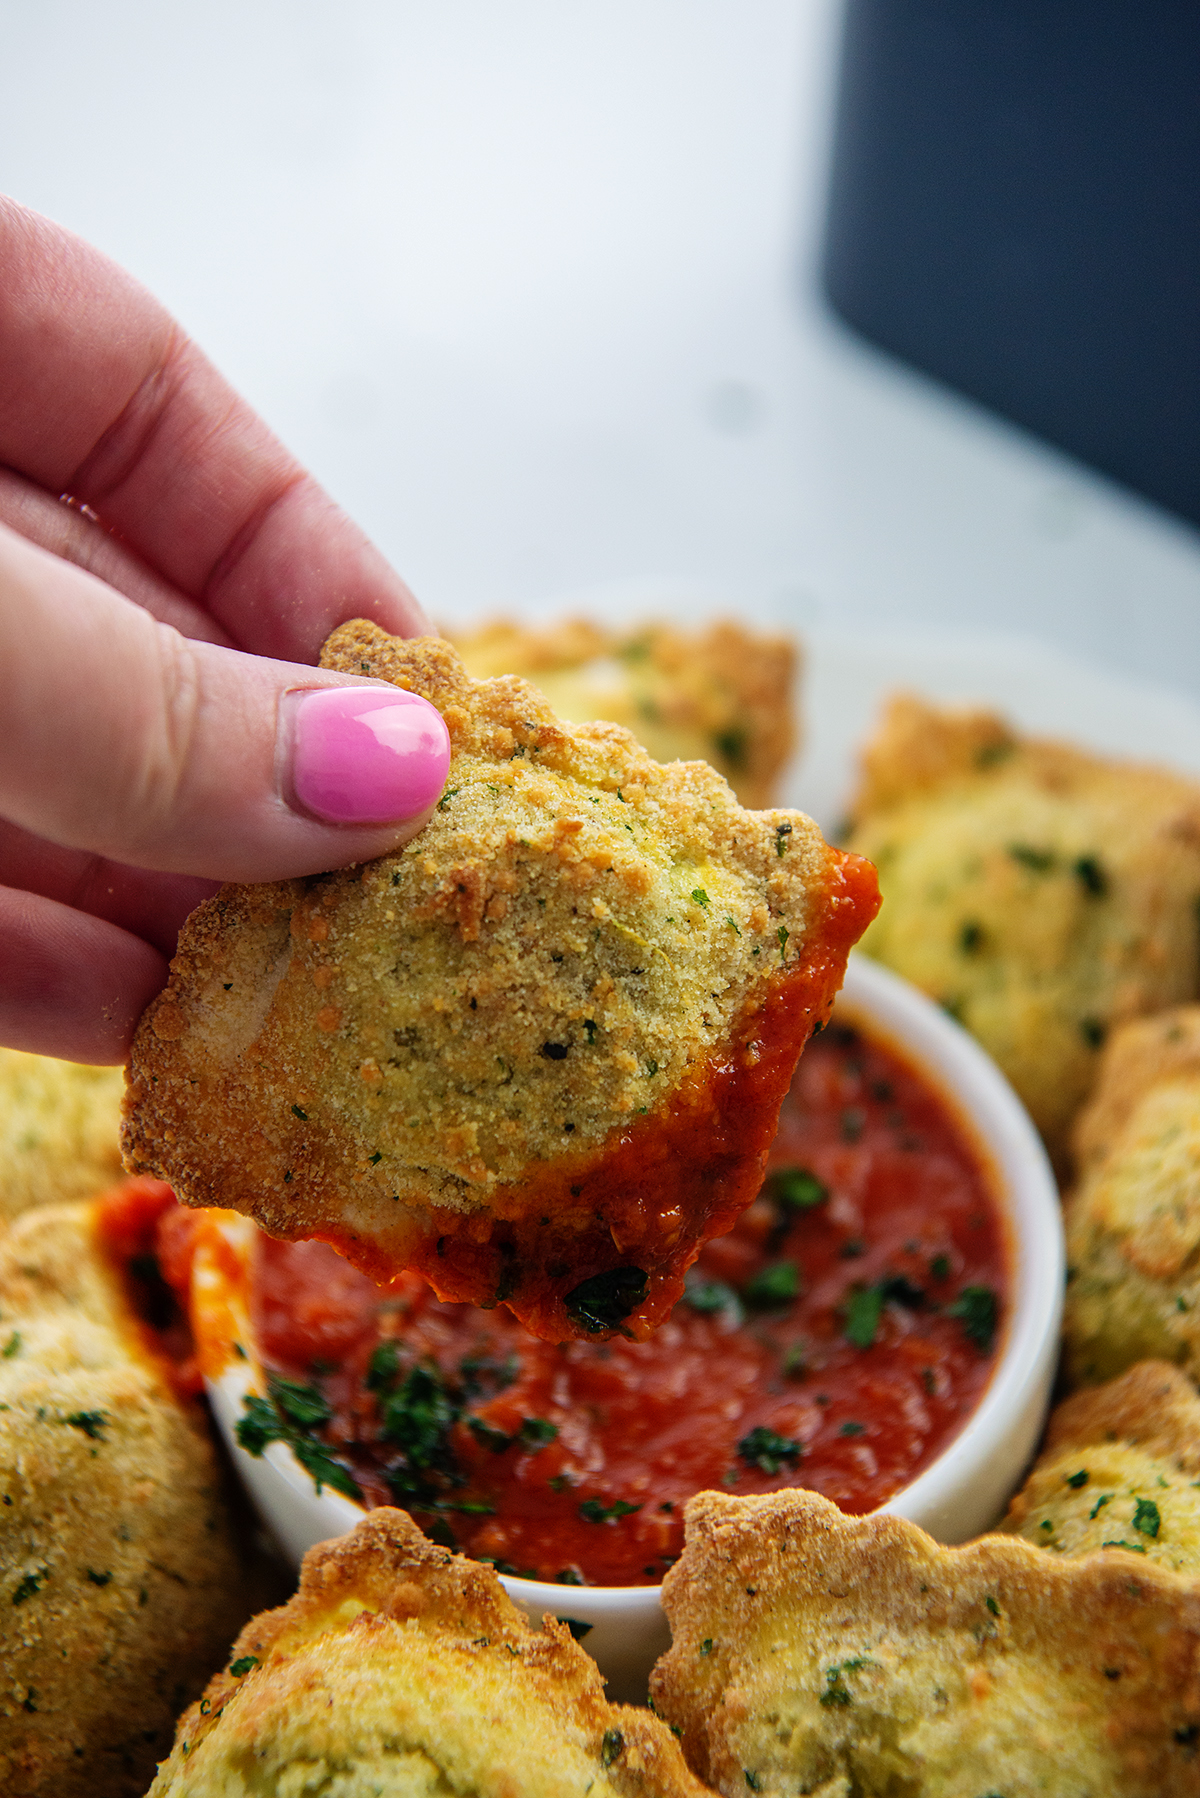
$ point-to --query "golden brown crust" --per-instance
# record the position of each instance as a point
(527, 1014)
(824, 1654)
(721, 694)
(119, 1581)
(59, 1131)
(1133, 1220)
(1119, 1465)
(400, 1668)
(1041, 894)
(1141, 1054)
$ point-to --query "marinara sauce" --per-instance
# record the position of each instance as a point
(836, 1339)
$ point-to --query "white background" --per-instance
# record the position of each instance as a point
(530, 285)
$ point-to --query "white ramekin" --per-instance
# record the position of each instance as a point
(956, 1497)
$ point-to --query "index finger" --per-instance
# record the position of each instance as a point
(104, 397)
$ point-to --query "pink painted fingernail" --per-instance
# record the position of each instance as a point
(367, 755)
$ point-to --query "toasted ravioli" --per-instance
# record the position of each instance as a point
(539, 1053)
(400, 1670)
(60, 1129)
(1133, 1221)
(119, 1579)
(1119, 1467)
(721, 695)
(855, 1658)
(1042, 895)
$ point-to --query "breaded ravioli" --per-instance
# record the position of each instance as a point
(721, 694)
(1042, 895)
(119, 1580)
(400, 1670)
(1133, 1221)
(1119, 1466)
(855, 1658)
(537, 1054)
(59, 1131)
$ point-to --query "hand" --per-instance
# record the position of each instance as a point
(157, 736)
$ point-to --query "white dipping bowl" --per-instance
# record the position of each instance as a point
(957, 1496)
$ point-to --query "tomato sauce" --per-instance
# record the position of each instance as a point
(837, 1338)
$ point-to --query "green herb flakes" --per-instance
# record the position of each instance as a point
(1147, 1518)
(594, 1510)
(764, 1449)
(978, 1309)
(864, 1308)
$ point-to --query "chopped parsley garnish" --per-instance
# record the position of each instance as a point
(243, 1665)
(836, 1691)
(30, 1585)
(594, 1510)
(699, 896)
(604, 1301)
(577, 1627)
(1136, 1548)
(772, 1286)
(12, 1346)
(706, 1645)
(850, 1428)
(272, 1419)
(90, 1422)
(535, 1432)
(781, 937)
(302, 1405)
(795, 1189)
(711, 1295)
(992, 1605)
(611, 1746)
(1089, 872)
(1038, 861)
(1076, 1480)
(782, 833)
(99, 1579)
(939, 1267)
(978, 1309)
(1146, 1517)
(298, 1113)
(764, 1449)
(863, 1311)
(419, 1416)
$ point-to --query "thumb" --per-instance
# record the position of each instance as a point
(125, 738)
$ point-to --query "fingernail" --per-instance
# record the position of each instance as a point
(362, 755)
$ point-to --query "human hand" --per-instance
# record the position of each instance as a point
(157, 737)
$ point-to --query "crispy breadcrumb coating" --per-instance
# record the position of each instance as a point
(59, 1131)
(855, 1658)
(1042, 895)
(119, 1580)
(539, 1052)
(1119, 1464)
(400, 1670)
(721, 694)
(1133, 1222)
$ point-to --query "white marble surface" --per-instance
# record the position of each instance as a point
(529, 285)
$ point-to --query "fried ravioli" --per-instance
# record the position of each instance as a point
(539, 1053)
(59, 1131)
(400, 1670)
(721, 695)
(1040, 894)
(1119, 1467)
(119, 1581)
(855, 1658)
(1133, 1222)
